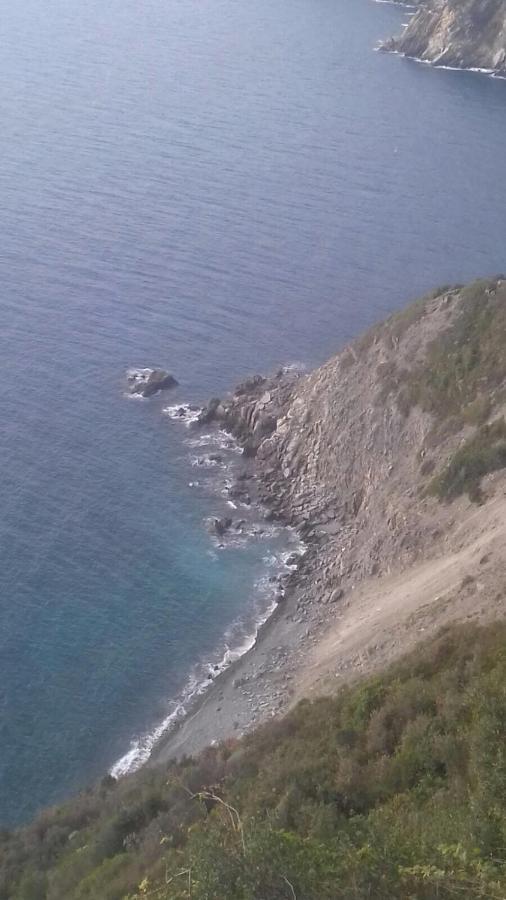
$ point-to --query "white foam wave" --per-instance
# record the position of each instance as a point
(278, 560)
(183, 412)
(238, 638)
(141, 748)
(294, 367)
(130, 396)
(205, 462)
(139, 374)
(435, 65)
(216, 439)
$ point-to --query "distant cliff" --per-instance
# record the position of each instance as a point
(465, 34)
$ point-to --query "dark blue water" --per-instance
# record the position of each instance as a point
(216, 187)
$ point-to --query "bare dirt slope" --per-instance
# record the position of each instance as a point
(387, 616)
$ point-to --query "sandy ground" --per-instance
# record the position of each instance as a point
(387, 616)
(302, 656)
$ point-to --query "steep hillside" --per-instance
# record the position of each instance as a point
(394, 789)
(383, 456)
(467, 34)
(389, 460)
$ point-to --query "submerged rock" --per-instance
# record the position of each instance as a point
(147, 382)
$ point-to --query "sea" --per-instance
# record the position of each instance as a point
(219, 188)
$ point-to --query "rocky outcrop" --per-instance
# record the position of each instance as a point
(341, 454)
(219, 527)
(147, 382)
(252, 413)
(463, 34)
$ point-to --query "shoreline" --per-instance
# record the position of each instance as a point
(258, 684)
(223, 710)
(473, 70)
(209, 678)
(384, 562)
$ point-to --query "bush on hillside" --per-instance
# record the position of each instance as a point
(393, 788)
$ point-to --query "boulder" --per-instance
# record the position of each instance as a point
(293, 559)
(210, 412)
(147, 382)
(250, 386)
(250, 448)
(219, 527)
(239, 492)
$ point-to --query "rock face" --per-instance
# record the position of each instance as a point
(252, 413)
(464, 34)
(342, 455)
(146, 382)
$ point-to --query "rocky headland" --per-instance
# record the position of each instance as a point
(461, 34)
(389, 461)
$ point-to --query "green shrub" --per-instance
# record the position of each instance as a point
(394, 788)
(466, 364)
(483, 453)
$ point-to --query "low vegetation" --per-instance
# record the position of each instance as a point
(465, 370)
(481, 454)
(463, 374)
(461, 383)
(396, 325)
(394, 788)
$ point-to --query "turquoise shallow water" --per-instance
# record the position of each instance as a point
(216, 187)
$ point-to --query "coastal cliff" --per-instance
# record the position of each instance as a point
(462, 34)
(388, 779)
(390, 461)
(358, 454)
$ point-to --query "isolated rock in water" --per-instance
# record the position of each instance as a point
(147, 382)
(219, 526)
